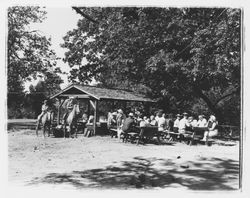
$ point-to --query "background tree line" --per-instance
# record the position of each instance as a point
(28, 55)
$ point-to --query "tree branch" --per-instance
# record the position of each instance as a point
(227, 95)
(84, 15)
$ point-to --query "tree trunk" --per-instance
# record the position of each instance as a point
(210, 104)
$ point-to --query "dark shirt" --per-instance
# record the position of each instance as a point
(128, 124)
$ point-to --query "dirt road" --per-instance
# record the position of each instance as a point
(105, 163)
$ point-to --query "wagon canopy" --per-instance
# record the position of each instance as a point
(98, 93)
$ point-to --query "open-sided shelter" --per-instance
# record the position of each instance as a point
(95, 94)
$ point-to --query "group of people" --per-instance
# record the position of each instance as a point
(119, 120)
(186, 123)
(181, 124)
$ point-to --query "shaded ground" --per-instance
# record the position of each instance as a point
(105, 163)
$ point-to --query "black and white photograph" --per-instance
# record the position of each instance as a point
(125, 97)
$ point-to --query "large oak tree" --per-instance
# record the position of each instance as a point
(182, 56)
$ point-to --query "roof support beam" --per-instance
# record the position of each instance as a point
(74, 95)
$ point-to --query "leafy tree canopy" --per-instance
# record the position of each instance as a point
(28, 51)
(178, 55)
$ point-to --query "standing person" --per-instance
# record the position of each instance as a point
(212, 126)
(202, 122)
(111, 119)
(157, 115)
(120, 118)
(45, 108)
(161, 122)
(183, 123)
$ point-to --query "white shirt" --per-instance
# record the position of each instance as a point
(176, 123)
(194, 123)
(161, 123)
(183, 123)
(202, 123)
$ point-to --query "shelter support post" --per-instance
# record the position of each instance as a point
(147, 107)
(124, 106)
(94, 105)
(59, 108)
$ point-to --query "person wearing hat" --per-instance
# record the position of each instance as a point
(129, 123)
(183, 123)
(212, 127)
(120, 118)
(45, 108)
(202, 122)
(176, 123)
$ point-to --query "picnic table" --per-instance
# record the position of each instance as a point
(142, 134)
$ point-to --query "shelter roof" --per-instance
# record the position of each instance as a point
(100, 93)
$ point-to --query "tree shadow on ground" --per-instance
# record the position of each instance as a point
(147, 173)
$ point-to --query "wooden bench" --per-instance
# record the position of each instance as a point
(148, 133)
(113, 132)
(172, 136)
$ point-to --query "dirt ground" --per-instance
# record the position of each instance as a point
(106, 163)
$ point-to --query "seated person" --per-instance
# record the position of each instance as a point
(212, 126)
(202, 122)
(183, 123)
(170, 122)
(84, 118)
(191, 123)
(129, 123)
(102, 119)
(153, 122)
(176, 123)
(144, 122)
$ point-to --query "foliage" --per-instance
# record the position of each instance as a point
(28, 53)
(181, 55)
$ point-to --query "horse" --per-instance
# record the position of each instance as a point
(71, 120)
(46, 122)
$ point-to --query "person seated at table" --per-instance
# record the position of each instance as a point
(144, 122)
(102, 119)
(212, 126)
(84, 118)
(153, 122)
(176, 123)
(192, 122)
(161, 122)
(183, 123)
(91, 119)
(170, 122)
(202, 122)
(128, 124)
